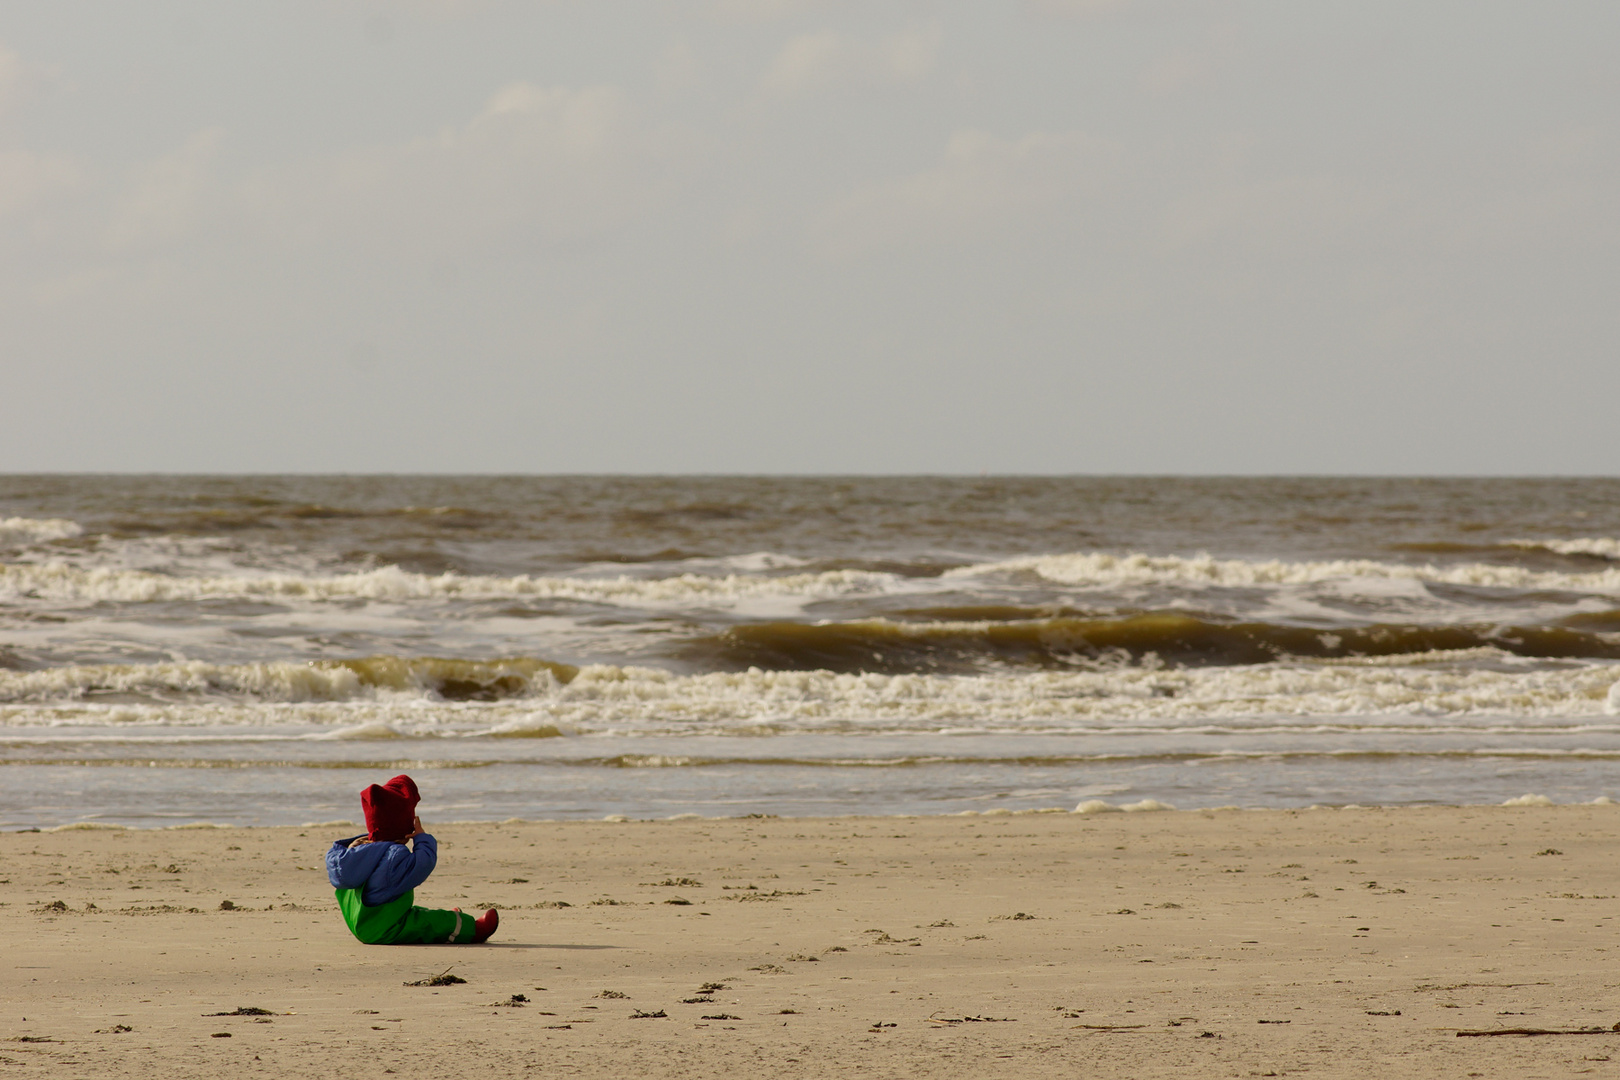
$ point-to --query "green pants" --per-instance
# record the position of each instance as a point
(398, 923)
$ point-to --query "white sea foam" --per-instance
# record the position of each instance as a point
(1608, 547)
(372, 731)
(61, 581)
(85, 826)
(196, 825)
(609, 694)
(1097, 569)
(754, 562)
(18, 532)
(272, 682)
(612, 699)
(652, 761)
(529, 726)
(197, 556)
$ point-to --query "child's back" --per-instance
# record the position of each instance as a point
(382, 870)
(375, 875)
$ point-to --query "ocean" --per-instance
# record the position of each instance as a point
(255, 649)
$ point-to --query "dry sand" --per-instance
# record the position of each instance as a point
(1225, 943)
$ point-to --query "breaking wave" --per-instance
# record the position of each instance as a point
(540, 700)
(1169, 638)
(1096, 569)
(1604, 547)
(319, 680)
(18, 532)
(63, 582)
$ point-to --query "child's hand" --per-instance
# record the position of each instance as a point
(416, 823)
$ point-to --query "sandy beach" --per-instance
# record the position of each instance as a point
(1200, 943)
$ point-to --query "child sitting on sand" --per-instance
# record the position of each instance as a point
(374, 876)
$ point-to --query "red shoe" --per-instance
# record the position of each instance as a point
(485, 925)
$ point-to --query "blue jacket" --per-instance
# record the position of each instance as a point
(383, 870)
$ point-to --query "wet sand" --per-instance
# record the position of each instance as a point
(1202, 943)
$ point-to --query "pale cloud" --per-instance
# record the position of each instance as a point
(436, 9)
(1077, 7)
(1172, 72)
(815, 61)
(169, 197)
(1111, 9)
(1561, 216)
(758, 9)
(1550, 191)
(1285, 215)
(742, 226)
(11, 77)
(1190, 67)
(984, 187)
(577, 126)
(680, 187)
(28, 178)
(36, 186)
(21, 79)
(1574, 145)
(678, 68)
(1558, 194)
(556, 161)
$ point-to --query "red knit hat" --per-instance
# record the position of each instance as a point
(391, 808)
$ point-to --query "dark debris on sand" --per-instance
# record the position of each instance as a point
(443, 978)
(244, 1010)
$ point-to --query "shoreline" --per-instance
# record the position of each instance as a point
(835, 775)
(1037, 945)
(1089, 807)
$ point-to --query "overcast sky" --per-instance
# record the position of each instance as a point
(796, 236)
